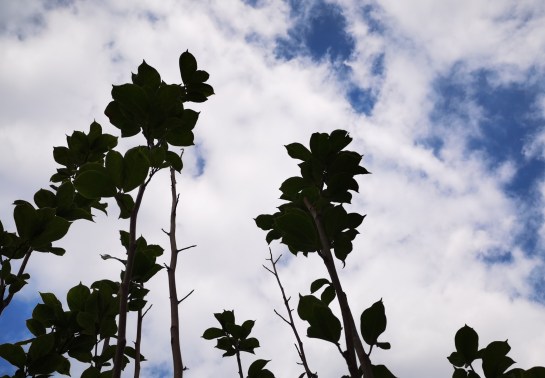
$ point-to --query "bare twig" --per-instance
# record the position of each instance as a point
(138, 343)
(181, 300)
(291, 323)
(174, 317)
(353, 341)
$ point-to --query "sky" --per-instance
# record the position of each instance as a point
(445, 100)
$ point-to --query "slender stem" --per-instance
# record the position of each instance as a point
(239, 363)
(300, 350)
(137, 344)
(124, 290)
(5, 302)
(174, 317)
(353, 342)
(105, 346)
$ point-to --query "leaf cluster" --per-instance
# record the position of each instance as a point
(494, 358)
(327, 177)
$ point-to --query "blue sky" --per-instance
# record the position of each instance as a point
(445, 99)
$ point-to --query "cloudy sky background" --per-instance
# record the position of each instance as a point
(446, 100)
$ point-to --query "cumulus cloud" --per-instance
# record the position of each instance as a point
(440, 243)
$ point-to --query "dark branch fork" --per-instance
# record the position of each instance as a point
(291, 323)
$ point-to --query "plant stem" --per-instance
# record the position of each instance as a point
(350, 331)
(105, 346)
(137, 344)
(300, 350)
(124, 290)
(239, 363)
(174, 317)
(5, 302)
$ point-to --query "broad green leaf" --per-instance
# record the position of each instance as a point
(168, 96)
(126, 205)
(47, 364)
(305, 308)
(14, 354)
(36, 327)
(467, 343)
(459, 373)
(157, 157)
(53, 232)
(319, 146)
(273, 235)
(340, 183)
(345, 162)
(26, 220)
(65, 196)
(299, 225)
(175, 160)
(94, 184)
(45, 198)
(339, 139)
(324, 325)
(62, 155)
(294, 185)
(77, 296)
(248, 345)
(131, 97)
(79, 146)
(114, 167)
(43, 313)
(200, 76)
(334, 219)
(381, 371)
(136, 167)
(129, 351)
(265, 222)
(328, 295)
(298, 151)
(247, 328)
(204, 89)
(182, 140)
(41, 346)
(353, 220)
(147, 76)
(495, 360)
(95, 130)
(188, 66)
(6, 269)
(104, 143)
(535, 372)
(108, 328)
(373, 322)
(383, 345)
(91, 372)
(256, 367)
(212, 333)
(87, 321)
(16, 286)
(457, 359)
(317, 284)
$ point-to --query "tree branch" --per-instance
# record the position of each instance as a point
(171, 271)
(5, 302)
(301, 350)
(353, 342)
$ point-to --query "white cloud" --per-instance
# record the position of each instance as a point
(430, 219)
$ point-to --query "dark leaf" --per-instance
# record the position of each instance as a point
(91, 372)
(256, 367)
(272, 235)
(459, 373)
(247, 328)
(381, 371)
(94, 184)
(324, 325)
(294, 185)
(495, 360)
(248, 345)
(328, 295)
(26, 220)
(467, 344)
(136, 167)
(456, 359)
(77, 296)
(188, 67)
(316, 285)
(47, 364)
(265, 222)
(182, 140)
(175, 160)
(338, 140)
(319, 146)
(373, 322)
(213, 333)
(299, 225)
(298, 151)
(14, 354)
(131, 97)
(36, 327)
(45, 198)
(41, 346)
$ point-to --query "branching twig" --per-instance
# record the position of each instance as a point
(5, 302)
(291, 323)
(181, 300)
